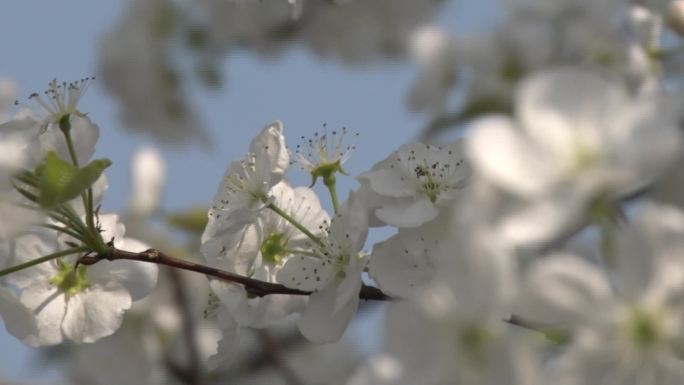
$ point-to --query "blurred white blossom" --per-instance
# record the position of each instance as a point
(563, 151)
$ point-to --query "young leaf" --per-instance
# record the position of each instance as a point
(85, 178)
(61, 181)
(55, 175)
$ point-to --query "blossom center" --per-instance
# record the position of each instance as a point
(473, 340)
(274, 248)
(70, 280)
(427, 183)
(584, 156)
(645, 329)
(61, 98)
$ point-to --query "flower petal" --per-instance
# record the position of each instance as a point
(402, 264)
(95, 313)
(565, 290)
(48, 306)
(498, 150)
(18, 319)
(306, 273)
(320, 323)
(407, 213)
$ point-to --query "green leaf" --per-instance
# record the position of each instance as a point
(85, 178)
(55, 174)
(61, 181)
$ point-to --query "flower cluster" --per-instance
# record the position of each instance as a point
(543, 245)
(50, 206)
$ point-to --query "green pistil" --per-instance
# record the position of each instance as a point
(584, 156)
(645, 329)
(327, 172)
(274, 248)
(71, 281)
(431, 189)
(473, 340)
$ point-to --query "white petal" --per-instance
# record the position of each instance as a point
(544, 219)
(350, 226)
(557, 107)
(139, 278)
(48, 306)
(565, 290)
(320, 323)
(229, 343)
(407, 213)
(95, 313)
(390, 182)
(351, 284)
(84, 133)
(503, 155)
(272, 157)
(306, 208)
(256, 312)
(18, 319)
(27, 248)
(401, 264)
(306, 273)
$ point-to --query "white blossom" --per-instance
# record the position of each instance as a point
(81, 304)
(415, 182)
(333, 274)
(624, 324)
(263, 249)
(452, 329)
(563, 151)
(246, 186)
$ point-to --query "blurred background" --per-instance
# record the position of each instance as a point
(195, 80)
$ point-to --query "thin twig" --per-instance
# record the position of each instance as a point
(252, 286)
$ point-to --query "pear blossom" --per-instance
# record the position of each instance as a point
(324, 154)
(81, 304)
(261, 252)
(333, 272)
(562, 152)
(625, 324)
(36, 130)
(451, 331)
(414, 182)
(246, 186)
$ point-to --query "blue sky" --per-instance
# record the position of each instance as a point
(41, 40)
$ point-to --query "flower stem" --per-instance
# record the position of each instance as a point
(330, 182)
(87, 197)
(65, 230)
(295, 223)
(46, 258)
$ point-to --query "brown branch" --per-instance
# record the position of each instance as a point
(252, 286)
